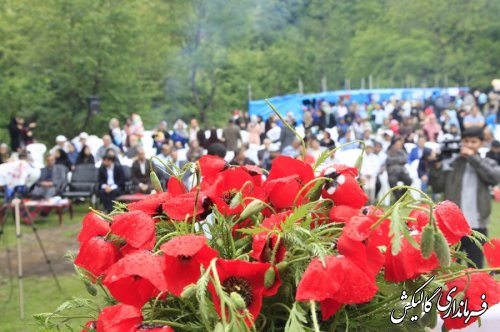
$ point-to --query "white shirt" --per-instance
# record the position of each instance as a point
(111, 179)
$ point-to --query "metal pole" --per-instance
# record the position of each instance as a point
(16, 203)
(363, 83)
(323, 84)
(301, 87)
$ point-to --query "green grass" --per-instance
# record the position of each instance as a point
(41, 294)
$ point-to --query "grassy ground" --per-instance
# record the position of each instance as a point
(41, 294)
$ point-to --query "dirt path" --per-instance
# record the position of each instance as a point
(56, 241)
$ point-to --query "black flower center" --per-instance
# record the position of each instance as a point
(228, 196)
(184, 259)
(240, 286)
(136, 277)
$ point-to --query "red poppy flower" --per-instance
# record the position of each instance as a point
(475, 285)
(227, 184)
(275, 220)
(176, 187)
(255, 172)
(97, 256)
(151, 204)
(92, 226)
(344, 189)
(380, 234)
(358, 228)
(364, 254)
(90, 326)
(244, 278)
(451, 221)
(119, 318)
(137, 228)
(408, 263)
(263, 245)
(286, 178)
(136, 278)
(492, 252)
(210, 166)
(422, 219)
(342, 213)
(184, 255)
(182, 207)
(153, 328)
(339, 282)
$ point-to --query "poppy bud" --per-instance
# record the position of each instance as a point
(281, 266)
(427, 243)
(235, 201)
(441, 249)
(188, 291)
(219, 327)
(255, 206)
(90, 288)
(155, 182)
(269, 277)
(238, 301)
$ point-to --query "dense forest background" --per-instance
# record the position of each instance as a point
(195, 58)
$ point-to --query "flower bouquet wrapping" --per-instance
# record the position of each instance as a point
(292, 250)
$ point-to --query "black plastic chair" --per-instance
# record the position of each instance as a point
(83, 184)
(129, 185)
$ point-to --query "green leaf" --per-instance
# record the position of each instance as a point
(296, 319)
(395, 230)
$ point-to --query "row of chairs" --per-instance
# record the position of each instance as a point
(83, 183)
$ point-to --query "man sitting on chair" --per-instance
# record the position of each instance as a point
(51, 180)
(111, 182)
(140, 172)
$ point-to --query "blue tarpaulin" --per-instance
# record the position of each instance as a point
(294, 103)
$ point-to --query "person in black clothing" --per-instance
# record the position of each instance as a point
(240, 159)
(85, 156)
(494, 152)
(111, 182)
(140, 173)
(62, 158)
(16, 133)
(327, 141)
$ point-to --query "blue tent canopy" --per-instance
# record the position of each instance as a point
(294, 103)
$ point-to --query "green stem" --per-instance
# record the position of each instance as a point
(100, 214)
(289, 127)
(162, 239)
(307, 186)
(313, 316)
(153, 307)
(219, 289)
(169, 323)
(161, 162)
(275, 250)
(459, 274)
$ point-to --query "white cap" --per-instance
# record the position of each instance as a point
(84, 135)
(60, 139)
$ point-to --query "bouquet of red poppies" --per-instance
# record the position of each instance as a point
(295, 249)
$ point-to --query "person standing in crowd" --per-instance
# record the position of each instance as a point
(181, 134)
(425, 164)
(141, 173)
(85, 156)
(327, 141)
(62, 158)
(240, 159)
(111, 182)
(369, 171)
(107, 143)
(494, 152)
(4, 153)
(51, 181)
(133, 145)
(287, 136)
(314, 147)
(163, 129)
(347, 138)
(431, 128)
(474, 119)
(231, 135)
(417, 152)
(80, 141)
(60, 144)
(465, 180)
(395, 165)
(194, 152)
(194, 128)
(72, 153)
(115, 133)
(254, 131)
